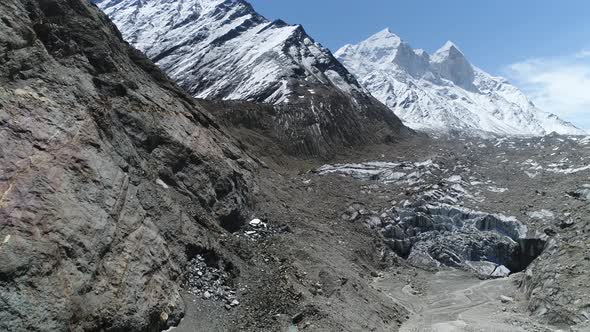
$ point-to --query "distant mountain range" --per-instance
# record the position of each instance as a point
(223, 49)
(443, 91)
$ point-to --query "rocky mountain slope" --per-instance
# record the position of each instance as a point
(124, 206)
(443, 91)
(223, 49)
(112, 178)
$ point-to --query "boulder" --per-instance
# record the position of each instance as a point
(500, 272)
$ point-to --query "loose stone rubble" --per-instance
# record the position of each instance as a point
(582, 193)
(210, 282)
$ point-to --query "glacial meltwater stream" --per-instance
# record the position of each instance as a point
(456, 301)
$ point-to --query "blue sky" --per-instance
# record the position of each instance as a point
(542, 46)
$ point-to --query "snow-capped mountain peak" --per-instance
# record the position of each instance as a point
(382, 47)
(223, 49)
(451, 64)
(444, 91)
(420, 52)
(385, 37)
(382, 51)
(447, 50)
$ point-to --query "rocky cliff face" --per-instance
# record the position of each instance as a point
(223, 49)
(111, 177)
(445, 92)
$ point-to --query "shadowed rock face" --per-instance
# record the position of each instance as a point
(446, 236)
(108, 173)
(438, 235)
(297, 131)
(452, 65)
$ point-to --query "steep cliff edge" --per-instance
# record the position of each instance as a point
(111, 177)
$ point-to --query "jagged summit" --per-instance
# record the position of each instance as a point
(451, 64)
(444, 91)
(383, 49)
(420, 52)
(385, 40)
(386, 34)
(447, 49)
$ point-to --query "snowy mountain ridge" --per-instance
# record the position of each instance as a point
(444, 92)
(224, 50)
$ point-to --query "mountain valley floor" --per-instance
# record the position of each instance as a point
(432, 234)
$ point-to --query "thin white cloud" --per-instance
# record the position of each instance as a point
(559, 85)
(583, 54)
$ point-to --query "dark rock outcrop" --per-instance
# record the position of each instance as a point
(298, 131)
(444, 235)
(108, 173)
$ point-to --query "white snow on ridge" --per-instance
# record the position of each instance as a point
(444, 92)
(224, 49)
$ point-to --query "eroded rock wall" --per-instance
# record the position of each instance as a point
(108, 172)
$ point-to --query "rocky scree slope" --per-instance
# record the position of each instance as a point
(223, 49)
(444, 92)
(537, 182)
(111, 177)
